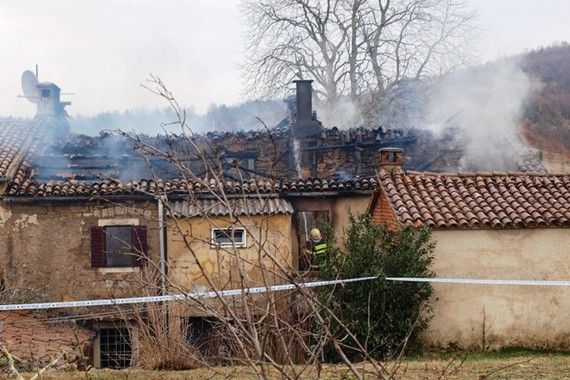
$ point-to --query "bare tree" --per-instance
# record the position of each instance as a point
(357, 48)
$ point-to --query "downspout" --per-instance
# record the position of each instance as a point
(163, 258)
(161, 242)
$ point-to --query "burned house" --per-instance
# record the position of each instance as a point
(102, 202)
(510, 225)
(84, 217)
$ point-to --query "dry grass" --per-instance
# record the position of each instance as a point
(516, 365)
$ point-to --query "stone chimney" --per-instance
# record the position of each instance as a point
(49, 103)
(305, 123)
(304, 101)
(304, 133)
(391, 158)
(52, 110)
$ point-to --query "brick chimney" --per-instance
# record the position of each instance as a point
(391, 158)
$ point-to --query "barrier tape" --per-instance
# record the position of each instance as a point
(477, 281)
(265, 289)
(176, 297)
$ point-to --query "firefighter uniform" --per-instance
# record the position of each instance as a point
(316, 249)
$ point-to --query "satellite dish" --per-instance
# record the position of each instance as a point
(30, 86)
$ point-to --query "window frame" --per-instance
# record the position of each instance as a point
(131, 255)
(103, 357)
(232, 243)
(302, 260)
(139, 250)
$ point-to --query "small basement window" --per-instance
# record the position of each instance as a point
(227, 237)
(208, 336)
(197, 331)
(115, 348)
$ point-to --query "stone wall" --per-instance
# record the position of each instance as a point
(46, 248)
(341, 161)
(265, 233)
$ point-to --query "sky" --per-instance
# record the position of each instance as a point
(102, 50)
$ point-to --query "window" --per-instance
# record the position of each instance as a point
(118, 246)
(208, 336)
(45, 93)
(115, 347)
(197, 331)
(227, 237)
(118, 241)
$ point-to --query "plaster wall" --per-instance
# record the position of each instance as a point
(189, 245)
(193, 259)
(473, 316)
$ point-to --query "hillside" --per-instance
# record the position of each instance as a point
(547, 115)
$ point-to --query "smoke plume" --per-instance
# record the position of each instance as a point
(484, 106)
(343, 114)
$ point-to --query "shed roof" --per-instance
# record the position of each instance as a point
(237, 206)
(476, 200)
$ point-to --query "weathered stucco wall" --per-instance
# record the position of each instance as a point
(47, 248)
(273, 232)
(266, 235)
(473, 315)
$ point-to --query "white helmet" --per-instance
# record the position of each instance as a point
(316, 235)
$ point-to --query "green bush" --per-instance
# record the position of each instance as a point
(384, 315)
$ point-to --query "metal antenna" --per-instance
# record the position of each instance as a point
(37, 76)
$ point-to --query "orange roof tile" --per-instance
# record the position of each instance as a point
(477, 200)
(30, 188)
(17, 137)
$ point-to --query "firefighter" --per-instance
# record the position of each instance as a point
(316, 249)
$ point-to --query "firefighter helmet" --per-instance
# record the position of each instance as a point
(316, 235)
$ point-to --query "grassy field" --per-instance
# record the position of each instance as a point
(512, 364)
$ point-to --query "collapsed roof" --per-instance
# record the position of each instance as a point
(40, 158)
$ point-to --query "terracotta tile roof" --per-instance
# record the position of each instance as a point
(477, 200)
(17, 138)
(30, 188)
(238, 206)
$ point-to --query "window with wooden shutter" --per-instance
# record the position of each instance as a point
(119, 246)
(140, 245)
(98, 258)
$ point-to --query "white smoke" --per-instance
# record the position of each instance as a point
(343, 114)
(297, 156)
(485, 105)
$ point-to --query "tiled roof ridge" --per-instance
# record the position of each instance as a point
(485, 174)
(109, 186)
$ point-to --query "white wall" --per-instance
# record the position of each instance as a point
(510, 315)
